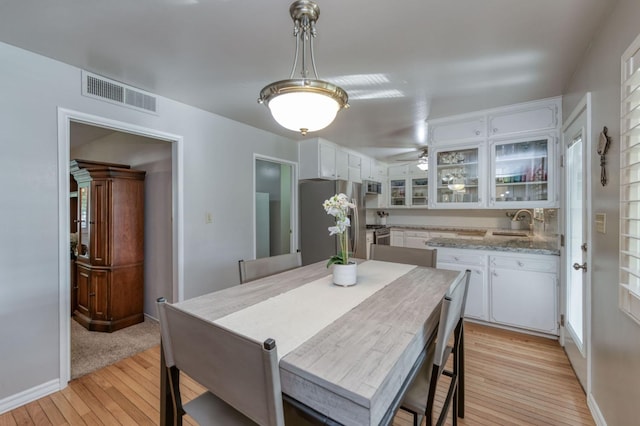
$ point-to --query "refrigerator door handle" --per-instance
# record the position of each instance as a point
(356, 224)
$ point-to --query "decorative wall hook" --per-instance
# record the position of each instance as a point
(603, 146)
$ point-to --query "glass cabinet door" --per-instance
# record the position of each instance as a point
(397, 192)
(419, 191)
(83, 221)
(457, 177)
(520, 172)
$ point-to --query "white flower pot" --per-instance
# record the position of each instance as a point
(345, 275)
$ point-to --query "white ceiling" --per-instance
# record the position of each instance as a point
(439, 57)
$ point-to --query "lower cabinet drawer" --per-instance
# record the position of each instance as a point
(528, 263)
(446, 256)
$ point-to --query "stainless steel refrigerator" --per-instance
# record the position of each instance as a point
(315, 242)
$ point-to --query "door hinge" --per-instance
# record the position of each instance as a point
(561, 240)
(562, 320)
(562, 161)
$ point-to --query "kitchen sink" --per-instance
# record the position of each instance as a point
(471, 233)
(511, 234)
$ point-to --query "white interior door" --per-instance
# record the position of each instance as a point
(576, 224)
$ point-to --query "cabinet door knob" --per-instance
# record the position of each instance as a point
(477, 132)
(520, 264)
(92, 294)
(495, 130)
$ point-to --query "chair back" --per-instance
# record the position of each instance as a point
(253, 269)
(412, 256)
(451, 313)
(242, 372)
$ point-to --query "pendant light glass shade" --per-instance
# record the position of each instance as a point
(304, 104)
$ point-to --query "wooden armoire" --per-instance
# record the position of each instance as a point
(109, 287)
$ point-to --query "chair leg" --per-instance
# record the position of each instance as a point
(460, 371)
(433, 384)
(174, 384)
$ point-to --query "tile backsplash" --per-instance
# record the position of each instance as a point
(546, 222)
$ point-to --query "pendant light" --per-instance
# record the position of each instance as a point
(304, 104)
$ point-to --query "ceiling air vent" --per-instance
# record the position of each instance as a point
(95, 86)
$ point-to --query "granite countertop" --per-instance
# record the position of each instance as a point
(484, 239)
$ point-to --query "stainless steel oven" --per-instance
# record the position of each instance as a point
(382, 236)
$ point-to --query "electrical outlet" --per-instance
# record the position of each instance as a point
(208, 217)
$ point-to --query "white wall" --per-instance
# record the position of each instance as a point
(218, 164)
(615, 338)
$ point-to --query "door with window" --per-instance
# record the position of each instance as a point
(574, 327)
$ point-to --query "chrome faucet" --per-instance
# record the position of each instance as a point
(515, 218)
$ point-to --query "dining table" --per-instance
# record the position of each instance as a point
(346, 354)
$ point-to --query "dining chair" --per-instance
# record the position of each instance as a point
(241, 375)
(419, 398)
(258, 268)
(412, 256)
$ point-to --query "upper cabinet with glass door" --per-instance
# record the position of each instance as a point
(520, 173)
(498, 158)
(457, 177)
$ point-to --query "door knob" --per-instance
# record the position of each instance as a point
(578, 266)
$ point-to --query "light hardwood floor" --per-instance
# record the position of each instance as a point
(512, 379)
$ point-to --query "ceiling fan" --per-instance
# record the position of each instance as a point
(423, 159)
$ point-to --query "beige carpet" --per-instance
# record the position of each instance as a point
(91, 350)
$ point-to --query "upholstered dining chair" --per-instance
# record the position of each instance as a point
(258, 268)
(241, 375)
(412, 256)
(419, 398)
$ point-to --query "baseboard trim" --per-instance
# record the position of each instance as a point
(595, 411)
(25, 397)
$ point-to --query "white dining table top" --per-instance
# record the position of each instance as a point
(345, 355)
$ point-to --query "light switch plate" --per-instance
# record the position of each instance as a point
(601, 223)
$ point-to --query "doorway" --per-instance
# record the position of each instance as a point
(72, 123)
(274, 205)
(576, 288)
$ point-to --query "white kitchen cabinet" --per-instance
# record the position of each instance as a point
(409, 192)
(522, 172)
(398, 190)
(419, 190)
(476, 306)
(355, 164)
(457, 129)
(317, 159)
(367, 168)
(531, 117)
(342, 164)
(523, 292)
(457, 177)
(369, 241)
(399, 170)
(397, 238)
(522, 180)
(370, 169)
(416, 239)
(380, 171)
